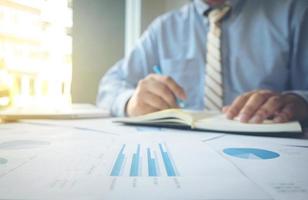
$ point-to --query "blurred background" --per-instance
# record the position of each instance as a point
(54, 52)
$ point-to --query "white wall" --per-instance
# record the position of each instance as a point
(153, 8)
(140, 13)
(98, 39)
(98, 42)
(174, 4)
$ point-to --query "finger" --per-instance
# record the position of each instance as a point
(300, 110)
(269, 108)
(163, 92)
(255, 101)
(137, 107)
(146, 109)
(225, 109)
(151, 85)
(155, 101)
(237, 105)
(177, 90)
(286, 114)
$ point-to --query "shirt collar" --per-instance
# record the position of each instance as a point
(202, 7)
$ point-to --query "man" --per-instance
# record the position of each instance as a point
(259, 49)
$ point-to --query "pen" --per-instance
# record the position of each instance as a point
(179, 102)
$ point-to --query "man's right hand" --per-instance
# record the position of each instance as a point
(154, 93)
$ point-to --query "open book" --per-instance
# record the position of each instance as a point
(211, 121)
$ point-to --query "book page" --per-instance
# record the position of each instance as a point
(169, 116)
(166, 116)
(221, 123)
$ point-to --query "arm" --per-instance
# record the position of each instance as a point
(119, 83)
(291, 104)
(299, 52)
(129, 88)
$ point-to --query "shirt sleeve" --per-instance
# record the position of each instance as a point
(119, 83)
(299, 51)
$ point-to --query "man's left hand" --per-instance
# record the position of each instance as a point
(257, 106)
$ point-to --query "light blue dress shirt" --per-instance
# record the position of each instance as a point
(264, 46)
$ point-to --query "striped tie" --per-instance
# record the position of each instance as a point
(213, 98)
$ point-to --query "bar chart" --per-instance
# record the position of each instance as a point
(144, 160)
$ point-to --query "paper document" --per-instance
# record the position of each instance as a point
(62, 162)
(280, 170)
(74, 111)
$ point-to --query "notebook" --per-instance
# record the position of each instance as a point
(75, 111)
(210, 121)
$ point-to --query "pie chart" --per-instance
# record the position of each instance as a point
(251, 153)
(3, 161)
(22, 144)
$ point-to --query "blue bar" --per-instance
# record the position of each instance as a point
(168, 164)
(134, 170)
(116, 170)
(151, 164)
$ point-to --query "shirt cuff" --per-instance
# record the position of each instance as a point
(118, 107)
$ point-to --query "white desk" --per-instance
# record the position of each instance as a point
(96, 159)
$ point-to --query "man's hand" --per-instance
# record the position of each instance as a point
(154, 93)
(257, 106)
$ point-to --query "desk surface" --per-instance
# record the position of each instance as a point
(96, 159)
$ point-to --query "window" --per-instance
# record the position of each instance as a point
(35, 52)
